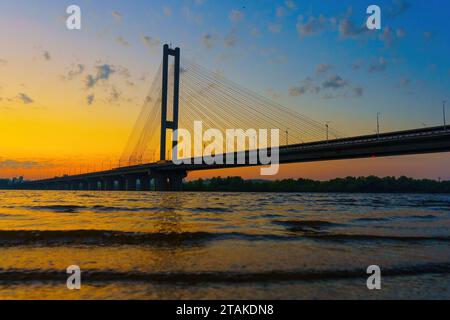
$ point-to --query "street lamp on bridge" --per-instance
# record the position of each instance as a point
(378, 124)
(443, 114)
(327, 127)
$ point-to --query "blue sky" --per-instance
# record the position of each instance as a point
(275, 47)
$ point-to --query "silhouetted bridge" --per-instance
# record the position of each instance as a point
(215, 103)
(168, 176)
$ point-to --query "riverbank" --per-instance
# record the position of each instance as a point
(369, 184)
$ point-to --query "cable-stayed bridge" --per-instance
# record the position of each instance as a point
(184, 92)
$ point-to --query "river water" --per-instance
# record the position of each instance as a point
(150, 245)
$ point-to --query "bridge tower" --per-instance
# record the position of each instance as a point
(165, 123)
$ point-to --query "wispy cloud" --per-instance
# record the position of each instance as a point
(192, 16)
(323, 68)
(290, 4)
(24, 98)
(398, 7)
(334, 82)
(103, 72)
(76, 70)
(236, 16)
(274, 27)
(230, 39)
(17, 164)
(151, 43)
(306, 85)
(167, 11)
(120, 40)
(90, 99)
(347, 29)
(117, 16)
(208, 40)
(428, 35)
(280, 12)
(391, 36)
(312, 25)
(379, 65)
(46, 55)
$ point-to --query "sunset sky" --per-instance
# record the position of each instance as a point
(69, 99)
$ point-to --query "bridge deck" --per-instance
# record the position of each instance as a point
(417, 141)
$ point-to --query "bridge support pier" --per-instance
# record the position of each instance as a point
(120, 184)
(92, 185)
(130, 183)
(107, 184)
(169, 181)
(144, 183)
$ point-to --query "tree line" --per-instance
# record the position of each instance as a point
(369, 184)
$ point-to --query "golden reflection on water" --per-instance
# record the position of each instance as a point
(211, 233)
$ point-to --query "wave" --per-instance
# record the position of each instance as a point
(95, 208)
(304, 225)
(384, 219)
(106, 237)
(370, 237)
(117, 238)
(12, 275)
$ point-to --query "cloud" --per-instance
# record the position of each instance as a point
(323, 68)
(428, 35)
(280, 12)
(90, 99)
(358, 92)
(208, 41)
(307, 85)
(117, 16)
(124, 72)
(230, 39)
(255, 32)
(167, 11)
(103, 73)
(313, 25)
(236, 16)
(77, 70)
(357, 64)
(398, 7)
(296, 91)
(3, 62)
(389, 36)
(123, 42)
(25, 98)
(15, 164)
(347, 29)
(272, 93)
(334, 82)
(378, 66)
(401, 33)
(274, 27)
(46, 55)
(278, 60)
(42, 54)
(290, 4)
(190, 15)
(151, 43)
(405, 82)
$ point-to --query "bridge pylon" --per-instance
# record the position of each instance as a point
(165, 123)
